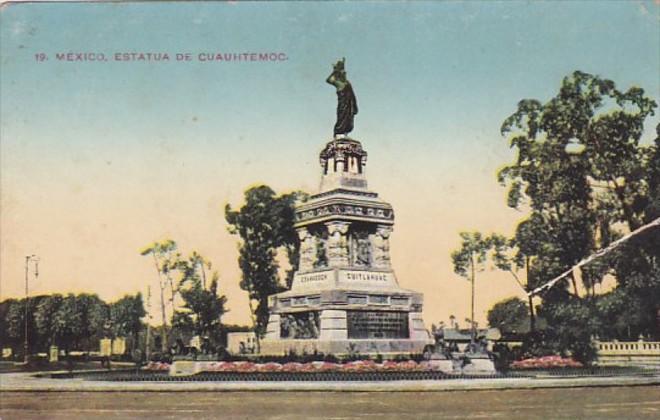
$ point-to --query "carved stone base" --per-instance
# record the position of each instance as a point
(333, 325)
(273, 328)
(445, 365)
(385, 348)
(479, 365)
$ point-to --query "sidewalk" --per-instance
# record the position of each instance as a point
(28, 382)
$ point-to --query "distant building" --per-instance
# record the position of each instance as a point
(241, 342)
(460, 338)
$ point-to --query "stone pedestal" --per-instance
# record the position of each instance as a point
(479, 365)
(417, 328)
(273, 327)
(333, 325)
(442, 365)
(345, 297)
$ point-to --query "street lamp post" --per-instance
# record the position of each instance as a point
(147, 340)
(34, 259)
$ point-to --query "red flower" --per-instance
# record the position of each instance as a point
(545, 362)
(327, 367)
(292, 367)
(269, 367)
(245, 367)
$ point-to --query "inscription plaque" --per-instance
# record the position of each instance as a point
(369, 278)
(377, 324)
(313, 278)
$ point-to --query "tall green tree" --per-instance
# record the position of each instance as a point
(44, 317)
(288, 237)
(6, 340)
(469, 259)
(94, 316)
(15, 321)
(581, 172)
(126, 316)
(510, 316)
(68, 326)
(580, 167)
(165, 256)
(203, 308)
(264, 224)
(15, 316)
(514, 259)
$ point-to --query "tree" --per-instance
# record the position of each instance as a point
(126, 316)
(470, 258)
(68, 324)
(15, 321)
(604, 183)
(571, 327)
(619, 315)
(288, 237)
(165, 257)
(581, 173)
(94, 316)
(44, 317)
(203, 308)
(508, 256)
(264, 224)
(5, 338)
(510, 316)
(637, 264)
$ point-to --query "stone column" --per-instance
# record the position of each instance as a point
(307, 250)
(340, 162)
(333, 325)
(416, 326)
(337, 244)
(381, 247)
(273, 327)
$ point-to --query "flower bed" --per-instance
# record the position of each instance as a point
(357, 366)
(157, 366)
(546, 362)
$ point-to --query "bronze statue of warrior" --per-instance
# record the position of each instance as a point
(346, 101)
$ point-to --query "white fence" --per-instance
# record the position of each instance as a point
(628, 353)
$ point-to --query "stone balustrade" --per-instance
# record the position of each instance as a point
(641, 353)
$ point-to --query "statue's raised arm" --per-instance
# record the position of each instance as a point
(346, 100)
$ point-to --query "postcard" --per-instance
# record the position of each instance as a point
(338, 189)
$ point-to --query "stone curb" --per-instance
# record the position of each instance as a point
(29, 383)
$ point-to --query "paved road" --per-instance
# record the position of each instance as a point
(569, 403)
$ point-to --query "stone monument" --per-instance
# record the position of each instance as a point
(345, 297)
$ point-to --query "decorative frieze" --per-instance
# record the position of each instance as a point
(368, 298)
(362, 211)
(368, 194)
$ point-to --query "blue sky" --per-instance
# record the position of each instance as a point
(117, 153)
(441, 67)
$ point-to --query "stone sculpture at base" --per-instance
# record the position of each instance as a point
(345, 297)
